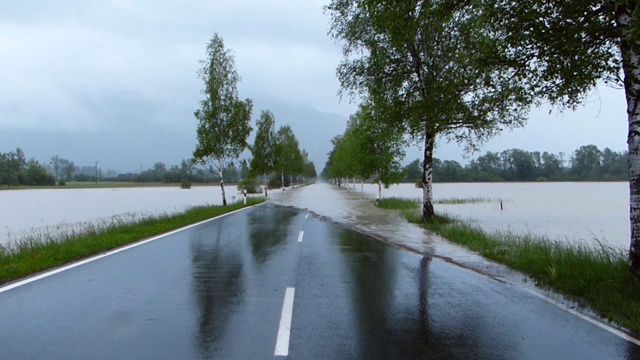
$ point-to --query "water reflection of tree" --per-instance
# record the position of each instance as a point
(268, 229)
(400, 329)
(217, 284)
(373, 273)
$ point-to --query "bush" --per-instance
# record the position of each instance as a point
(185, 184)
(62, 182)
(249, 184)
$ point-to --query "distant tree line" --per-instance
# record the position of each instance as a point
(588, 163)
(16, 170)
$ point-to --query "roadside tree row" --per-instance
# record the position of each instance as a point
(224, 126)
(464, 70)
(369, 149)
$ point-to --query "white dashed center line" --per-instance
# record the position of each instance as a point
(284, 332)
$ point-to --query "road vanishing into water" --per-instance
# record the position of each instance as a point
(274, 281)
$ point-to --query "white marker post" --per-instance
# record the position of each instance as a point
(245, 196)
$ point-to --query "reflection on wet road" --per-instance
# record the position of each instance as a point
(217, 290)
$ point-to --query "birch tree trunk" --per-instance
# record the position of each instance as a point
(630, 50)
(282, 179)
(427, 177)
(379, 190)
(265, 185)
(361, 185)
(224, 198)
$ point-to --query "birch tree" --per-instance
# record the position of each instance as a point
(561, 50)
(423, 65)
(223, 120)
(287, 153)
(263, 149)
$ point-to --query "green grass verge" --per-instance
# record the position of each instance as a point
(31, 256)
(596, 276)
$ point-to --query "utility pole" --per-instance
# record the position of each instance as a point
(140, 169)
(96, 170)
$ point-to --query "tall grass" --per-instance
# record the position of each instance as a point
(459, 201)
(39, 252)
(399, 203)
(596, 275)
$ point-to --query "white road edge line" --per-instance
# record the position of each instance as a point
(300, 236)
(112, 252)
(585, 317)
(284, 331)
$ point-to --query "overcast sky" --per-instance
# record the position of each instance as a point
(74, 70)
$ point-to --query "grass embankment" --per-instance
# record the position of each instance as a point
(31, 256)
(595, 275)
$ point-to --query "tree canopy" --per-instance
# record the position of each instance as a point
(263, 149)
(288, 157)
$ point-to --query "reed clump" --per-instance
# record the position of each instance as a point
(399, 203)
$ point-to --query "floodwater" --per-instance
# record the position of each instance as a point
(562, 211)
(567, 211)
(29, 212)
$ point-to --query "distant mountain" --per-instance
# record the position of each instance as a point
(130, 143)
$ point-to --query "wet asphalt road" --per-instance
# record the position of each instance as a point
(217, 290)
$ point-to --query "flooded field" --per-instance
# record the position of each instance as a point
(568, 211)
(24, 212)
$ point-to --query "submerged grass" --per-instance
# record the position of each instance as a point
(594, 275)
(38, 253)
(459, 201)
